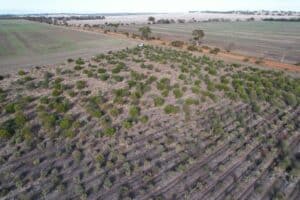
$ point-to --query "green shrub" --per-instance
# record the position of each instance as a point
(65, 123)
(104, 77)
(10, 108)
(56, 92)
(127, 124)
(144, 119)
(114, 112)
(101, 71)
(177, 43)
(192, 48)
(290, 99)
(110, 131)
(116, 70)
(20, 119)
(191, 101)
(70, 60)
(8, 128)
(158, 101)
(195, 90)
(4, 134)
(78, 68)
(21, 72)
(170, 109)
(134, 111)
(80, 61)
(214, 51)
(26, 133)
(48, 120)
(177, 93)
(118, 78)
(99, 158)
(81, 84)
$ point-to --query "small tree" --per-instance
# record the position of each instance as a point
(151, 19)
(198, 35)
(145, 31)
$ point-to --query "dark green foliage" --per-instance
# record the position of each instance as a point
(170, 109)
(110, 131)
(134, 111)
(118, 78)
(78, 67)
(66, 122)
(158, 101)
(80, 61)
(8, 129)
(81, 84)
(177, 43)
(177, 93)
(21, 72)
(10, 108)
(163, 84)
(290, 99)
(104, 76)
(101, 70)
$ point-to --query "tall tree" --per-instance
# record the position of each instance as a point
(145, 31)
(151, 19)
(198, 35)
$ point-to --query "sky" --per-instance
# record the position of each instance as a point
(113, 6)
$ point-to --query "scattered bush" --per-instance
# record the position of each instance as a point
(158, 101)
(170, 109)
(81, 84)
(177, 93)
(134, 111)
(101, 71)
(110, 131)
(80, 61)
(21, 72)
(177, 43)
(104, 77)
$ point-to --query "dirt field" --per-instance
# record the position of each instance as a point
(149, 123)
(24, 43)
(274, 40)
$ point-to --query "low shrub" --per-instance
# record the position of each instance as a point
(192, 48)
(158, 101)
(80, 61)
(81, 84)
(134, 111)
(101, 71)
(21, 72)
(110, 131)
(177, 43)
(177, 93)
(170, 109)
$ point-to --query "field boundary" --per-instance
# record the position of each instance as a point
(223, 55)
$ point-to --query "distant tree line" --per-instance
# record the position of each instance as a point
(60, 20)
(282, 19)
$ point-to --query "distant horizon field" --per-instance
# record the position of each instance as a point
(273, 40)
(25, 43)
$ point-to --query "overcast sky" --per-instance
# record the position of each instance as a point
(107, 6)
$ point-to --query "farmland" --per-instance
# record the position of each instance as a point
(273, 40)
(24, 43)
(149, 123)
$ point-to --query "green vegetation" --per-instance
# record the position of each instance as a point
(158, 101)
(145, 32)
(81, 84)
(170, 109)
